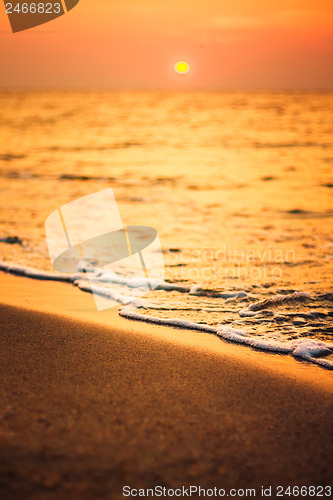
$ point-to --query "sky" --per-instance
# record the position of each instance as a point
(245, 44)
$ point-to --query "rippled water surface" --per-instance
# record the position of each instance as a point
(238, 186)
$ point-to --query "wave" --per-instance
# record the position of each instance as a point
(311, 350)
(306, 349)
(280, 299)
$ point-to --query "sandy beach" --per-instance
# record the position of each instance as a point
(91, 402)
(166, 249)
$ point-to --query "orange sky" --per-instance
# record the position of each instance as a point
(135, 44)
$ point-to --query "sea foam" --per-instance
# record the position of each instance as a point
(311, 350)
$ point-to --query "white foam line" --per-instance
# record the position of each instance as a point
(325, 363)
(130, 313)
(300, 348)
(241, 338)
(134, 282)
(307, 349)
(35, 273)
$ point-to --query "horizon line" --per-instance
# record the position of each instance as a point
(74, 88)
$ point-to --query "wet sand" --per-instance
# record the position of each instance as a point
(91, 402)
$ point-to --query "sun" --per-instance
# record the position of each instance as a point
(182, 67)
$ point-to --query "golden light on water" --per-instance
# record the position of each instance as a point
(182, 67)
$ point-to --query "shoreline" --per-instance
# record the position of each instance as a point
(91, 402)
(306, 350)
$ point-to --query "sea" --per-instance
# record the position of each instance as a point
(238, 186)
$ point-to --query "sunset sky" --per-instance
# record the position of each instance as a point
(136, 43)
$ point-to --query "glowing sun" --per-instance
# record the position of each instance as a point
(182, 67)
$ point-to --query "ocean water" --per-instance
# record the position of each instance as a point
(238, 186)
